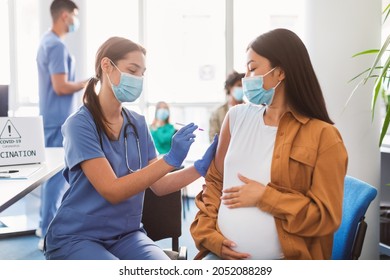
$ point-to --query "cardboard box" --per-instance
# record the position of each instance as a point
(21, 140)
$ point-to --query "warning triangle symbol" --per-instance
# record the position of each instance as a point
(9, 131)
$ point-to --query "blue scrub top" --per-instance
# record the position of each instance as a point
(54, 58)
(84, 213)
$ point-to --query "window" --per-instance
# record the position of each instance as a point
(4, 46)
(185, 43)
(26, 34)
(118, 18)
(254, 17)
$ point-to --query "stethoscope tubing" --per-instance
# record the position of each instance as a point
(129, 123)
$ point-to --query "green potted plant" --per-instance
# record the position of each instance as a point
(380, 72)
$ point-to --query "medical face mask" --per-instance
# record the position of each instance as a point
(238, 94)
(75, 25)
(162, 114)
(254, 90)
(129, 87)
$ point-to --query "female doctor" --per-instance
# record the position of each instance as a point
(110, 160)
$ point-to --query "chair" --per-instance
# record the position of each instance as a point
(185, 200)
(162, 219)
(349, 238)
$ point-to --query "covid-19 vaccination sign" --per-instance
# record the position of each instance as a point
(21, 140)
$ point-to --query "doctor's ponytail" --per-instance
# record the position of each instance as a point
(91, 101)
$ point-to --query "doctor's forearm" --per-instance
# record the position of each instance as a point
(116, 190)
(67, 88)
(134, 183)
(175, 181)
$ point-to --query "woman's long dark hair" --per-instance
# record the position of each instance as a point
(115, 48)
(284, 49)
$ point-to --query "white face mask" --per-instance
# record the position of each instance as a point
(254, 90)
(73, 27)
(162, 114)
(238, 93)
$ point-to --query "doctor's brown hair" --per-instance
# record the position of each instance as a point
(115, 48)
(57, 6)
(284, 49)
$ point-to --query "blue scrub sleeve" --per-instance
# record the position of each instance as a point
(81, 140)
(57, 58)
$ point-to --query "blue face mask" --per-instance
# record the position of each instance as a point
(162, 114)
(75, 25)
(129, 87)
(254, 90)
(238, 93)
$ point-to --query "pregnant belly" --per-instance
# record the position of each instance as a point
(253, 231)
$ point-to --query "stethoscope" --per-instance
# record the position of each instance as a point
(128, 124)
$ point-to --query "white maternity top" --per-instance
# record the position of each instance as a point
(250, 154)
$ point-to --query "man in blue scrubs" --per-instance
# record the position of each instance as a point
(57, 97)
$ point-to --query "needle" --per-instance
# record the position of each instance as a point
(182, 124)
(9, 171)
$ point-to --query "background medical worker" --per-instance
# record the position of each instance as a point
(110, 160)
(275, 189)
(58, 97)
(234, 96)
(161, 128)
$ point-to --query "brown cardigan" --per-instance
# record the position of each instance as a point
(305, 193)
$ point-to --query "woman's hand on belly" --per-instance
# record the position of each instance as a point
(246, 195)
(227, 253)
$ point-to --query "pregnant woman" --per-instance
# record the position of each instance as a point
(275, 187)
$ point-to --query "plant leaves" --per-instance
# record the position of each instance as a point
(382, 80)
(385, 126)
(378, 87)
(359, 84)
(352, 93)
(387, 11)
(379, 56)
(366, 52)
(365, 71)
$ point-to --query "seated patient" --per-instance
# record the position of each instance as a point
(275, 187)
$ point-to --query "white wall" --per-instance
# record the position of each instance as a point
(335, 30)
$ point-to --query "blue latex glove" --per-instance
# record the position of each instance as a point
(202, 165)
(181, 142)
